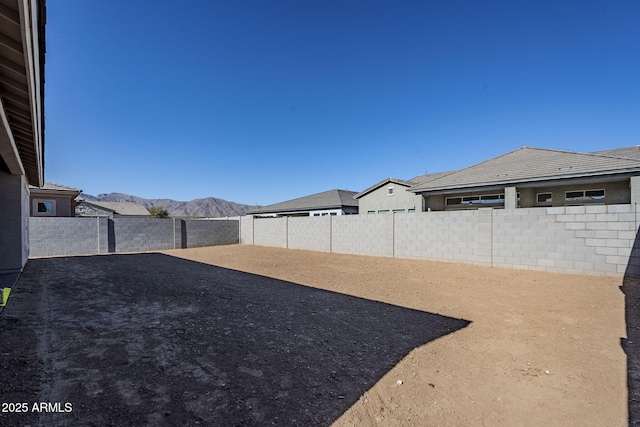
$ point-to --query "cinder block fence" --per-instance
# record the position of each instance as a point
(597, 240)
(89, 236)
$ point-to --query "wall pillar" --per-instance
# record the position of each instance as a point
(510, 198)
(634, 184)
(14, 222)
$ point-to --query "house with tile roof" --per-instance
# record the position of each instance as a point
(111, 209)
(53, 200)
(526, 177)
(332, 202)
(394, 195)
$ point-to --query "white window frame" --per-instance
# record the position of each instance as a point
(38, 201)
(390, 191)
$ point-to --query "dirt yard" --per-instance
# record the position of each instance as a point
(542, 349)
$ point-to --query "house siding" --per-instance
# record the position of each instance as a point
(14, 217)
(380, 199)
(616, 192)
(63, 204)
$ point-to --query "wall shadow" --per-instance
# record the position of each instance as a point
(111, 236)
(150, 339)
(631, 345)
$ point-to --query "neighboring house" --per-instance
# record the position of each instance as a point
(22, 52)
(394, 195)
(332, 202)
(111, 209)
(527, 177)
(53, 200)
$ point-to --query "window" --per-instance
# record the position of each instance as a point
(544, 198)
(489, 199)
(411, 210)
(42, 207)
(492, 199)
(371, 212)
(390, 189)
(316, 214)
(383, 211)
(333, 214)
(398, 211)
(584, 196)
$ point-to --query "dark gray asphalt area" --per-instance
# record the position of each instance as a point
(631, 346)
(149, 339)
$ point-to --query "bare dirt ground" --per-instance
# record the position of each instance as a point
(542, 349)
(250, 335)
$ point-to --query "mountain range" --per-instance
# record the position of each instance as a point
(208, 207)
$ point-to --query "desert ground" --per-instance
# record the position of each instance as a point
(542, 349)
(248, 335)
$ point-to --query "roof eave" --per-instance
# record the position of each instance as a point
(380, 184)
(610, 176)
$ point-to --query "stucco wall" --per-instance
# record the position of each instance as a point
(380, 199)
(14, 222)
(63, 204)
(616, 192)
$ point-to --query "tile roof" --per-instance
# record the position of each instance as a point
(420, 179)
(528, 165)
(121, 208)
(632, 152)
(332, 199)
(381, 183)
(54, 187)
(423, 179)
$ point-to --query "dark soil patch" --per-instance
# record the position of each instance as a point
(149, 339)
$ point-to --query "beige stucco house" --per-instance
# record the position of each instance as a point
(527, 177)
(53, 200)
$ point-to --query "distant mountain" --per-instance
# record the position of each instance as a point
(209, 207)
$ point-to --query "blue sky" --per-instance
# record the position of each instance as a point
(259, 102)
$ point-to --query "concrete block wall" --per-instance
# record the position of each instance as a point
(574, 239)
(363, 235)
(463, 236)
(597, 240)
(246, 230)
(270, 232)
(54, 236)
(210, 233)
(310, 233)
(64, 236)
(143, 234)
